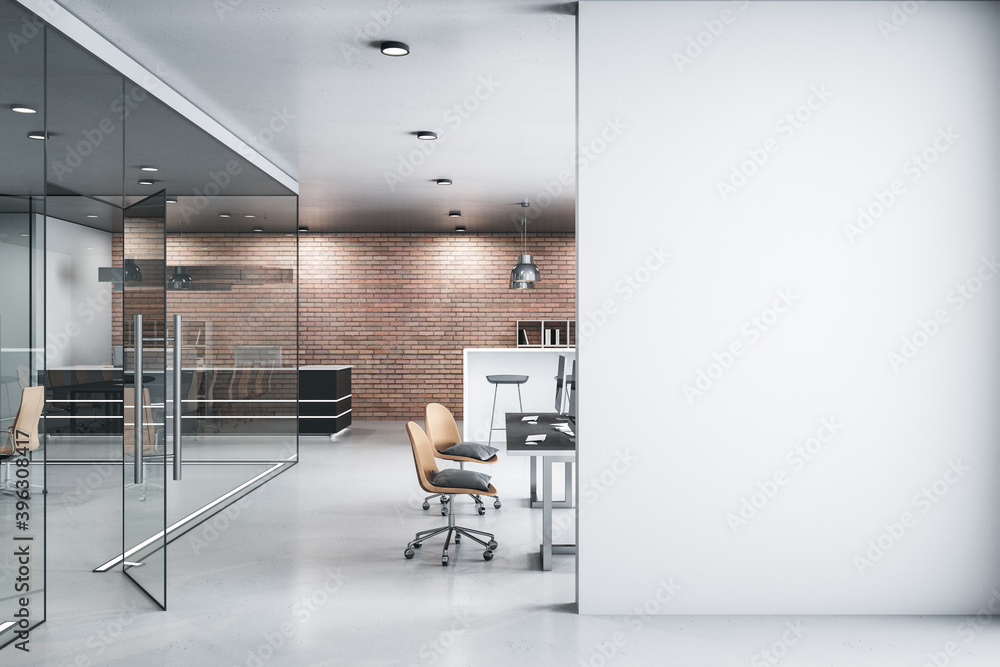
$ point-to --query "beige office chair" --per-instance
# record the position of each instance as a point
(22, 435)
(150, 445)
(443, 434)
(423, 459)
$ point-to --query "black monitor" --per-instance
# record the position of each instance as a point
(571, 385)
(560, 384)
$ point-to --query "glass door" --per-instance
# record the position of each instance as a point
(144, 329)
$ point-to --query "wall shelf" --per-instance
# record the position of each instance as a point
(545, 333)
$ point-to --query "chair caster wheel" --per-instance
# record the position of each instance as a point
(444, 560)
(458, 538)
(493, 545)
(487, 555)
(481, 510)
(426, 505)
(444, 510)
(408, 553)
(443, 499)
(417, 545)
(496, 504)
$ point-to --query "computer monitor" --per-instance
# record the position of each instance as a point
(560, 384)
(571, 385)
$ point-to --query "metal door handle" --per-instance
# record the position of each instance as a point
(177, 397)
(138, 407)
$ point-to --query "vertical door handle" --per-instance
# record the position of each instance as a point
(177, 397)
(138, 407)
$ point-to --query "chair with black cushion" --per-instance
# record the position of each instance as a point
(450, 482)
(442, 431)
(22, 436)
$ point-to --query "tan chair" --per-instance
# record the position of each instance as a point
(148, 430)
(443, 434)
(22, 435)
(426, 464)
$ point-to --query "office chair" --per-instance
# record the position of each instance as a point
(22, 435)
(442, 431)
(427, 471)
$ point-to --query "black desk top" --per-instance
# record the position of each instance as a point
(555, 441)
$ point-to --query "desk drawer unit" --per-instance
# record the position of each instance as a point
(324, 399)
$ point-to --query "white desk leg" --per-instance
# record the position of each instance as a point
(546, 513)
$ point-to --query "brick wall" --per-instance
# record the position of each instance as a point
(399, 308)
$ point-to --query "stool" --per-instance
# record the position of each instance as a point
(496, 381)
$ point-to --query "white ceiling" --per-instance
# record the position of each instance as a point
(303, 83)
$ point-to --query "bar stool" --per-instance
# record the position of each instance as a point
(496, 381)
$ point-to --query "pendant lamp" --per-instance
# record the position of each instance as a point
(525, 274)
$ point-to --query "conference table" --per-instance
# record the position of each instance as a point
(523, 439)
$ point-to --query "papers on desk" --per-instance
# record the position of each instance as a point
(530, 418)
(534, 439)
(564, 428)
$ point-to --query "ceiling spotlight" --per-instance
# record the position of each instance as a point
(454, 214)
(36, 134)
(223, 215)
(395, 49)
(459, 228)
(249, 216)
(148, 169)
(22, 108)
(172, 200)
(258, 229)
(27, 236)
(303, 228)
(92, 216)
(146, 181)
(427, 135)
(443, 181)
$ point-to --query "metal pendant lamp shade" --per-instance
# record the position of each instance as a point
(180, 280)
(525, 274)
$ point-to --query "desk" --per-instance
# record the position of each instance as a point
(556, 447)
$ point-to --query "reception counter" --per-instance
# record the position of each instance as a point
(538, 393)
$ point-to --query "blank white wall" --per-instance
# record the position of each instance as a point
(781, 319)
(77, 306)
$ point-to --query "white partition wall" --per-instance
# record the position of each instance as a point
(789, 217)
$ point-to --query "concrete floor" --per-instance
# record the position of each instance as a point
(309, 570)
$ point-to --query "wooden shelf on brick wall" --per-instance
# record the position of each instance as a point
(545, 333)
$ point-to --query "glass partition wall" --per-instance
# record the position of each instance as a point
(150, 216)
(22, 327)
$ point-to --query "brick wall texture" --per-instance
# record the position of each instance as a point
(399, 308)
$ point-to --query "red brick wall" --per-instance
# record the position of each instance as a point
(401, 308)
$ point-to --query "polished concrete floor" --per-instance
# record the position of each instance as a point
(309, 570)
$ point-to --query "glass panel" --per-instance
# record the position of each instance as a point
(22, 469)
(144, 360)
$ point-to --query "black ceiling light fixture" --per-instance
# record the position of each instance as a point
(443, 181)
(148, 168)
(22, 108)
(146, 181)
(427, 135)
(180, 280)
(37, 134)
(395, 49)
(459, 228)
(303, 228)
(131, 271)
(525, 274)
(454, 214)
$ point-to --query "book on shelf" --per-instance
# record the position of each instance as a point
(522, 337)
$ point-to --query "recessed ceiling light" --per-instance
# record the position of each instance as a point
(249, 216)
(427, 135)
(303, 228)
(172, 200)
(258, 229)
(443, 181)
(454, 214)
(36, 134)
(148, 169)
(93, 216)
(223, 215)
(26, 235)
(395, 49)
(459, 228)
(22, 108)
(146, 181)
(88, 248)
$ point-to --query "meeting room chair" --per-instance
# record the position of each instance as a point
(22, 435)
(442, 431)
(152, 437)
(458, 482)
